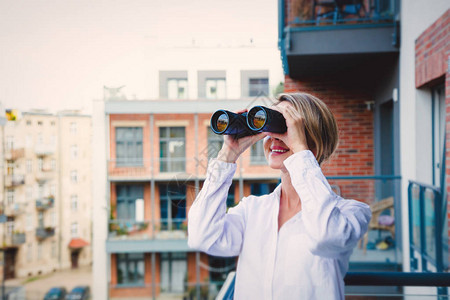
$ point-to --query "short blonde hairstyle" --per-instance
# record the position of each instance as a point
(320, 125)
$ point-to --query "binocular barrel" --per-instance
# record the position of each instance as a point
(257, 120)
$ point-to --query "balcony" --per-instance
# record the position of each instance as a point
(44, 232)
(13, 210)
(44, 150)
(14, 180)
(15, 240)
(45, 203)
(317, 38)
(14, 154)
(157, 236)
(44, 175)
(184, 169)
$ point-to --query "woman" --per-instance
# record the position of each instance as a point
(294, 243)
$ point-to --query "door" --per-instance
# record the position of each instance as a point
(10, 262)
(74, 258)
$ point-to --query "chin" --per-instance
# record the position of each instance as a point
(276, 163)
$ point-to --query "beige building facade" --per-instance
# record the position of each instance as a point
(46, 195)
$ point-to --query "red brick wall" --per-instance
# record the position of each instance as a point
(432, 57)
(432, 49)
(355, 153)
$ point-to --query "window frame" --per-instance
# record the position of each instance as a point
(132, 144)
(166, 163)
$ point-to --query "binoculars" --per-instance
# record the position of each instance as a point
(256, 120)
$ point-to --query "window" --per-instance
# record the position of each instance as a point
(257, 153)
(41, 191)
(74, 176)
(219, 267)
(28, 141)
(53, 218)
(173, 271)
(215, 143)
(259, 189)
(29, 192)
(73, 127)
(9, 142)
(29, 165)
(129, 150)
(10, 197)
(438, 138)
(53, 140)
(28, 122)
(29, 252)
(74, 230)
(53, 164)
(258, 86)
(53, 190)
(73, 151)
(126, 200)
(9, 227)
(177, 88)
(40, 163)
(29, 222)
(173, 205)
(130, 268)
(39, 251)
(40, 123)
(215, 88)
(172, 147)
(230, 197)
(40, 219)
(53, 123)
(74, 202)
(40, 139)
(53, 249)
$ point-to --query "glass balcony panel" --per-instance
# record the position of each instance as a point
(430, 229)
(415, 217)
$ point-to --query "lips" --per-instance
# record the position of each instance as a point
(278, 150)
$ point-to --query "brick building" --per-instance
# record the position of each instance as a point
(157, 152)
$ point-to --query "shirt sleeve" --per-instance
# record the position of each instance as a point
(210, 228)
(332, 225)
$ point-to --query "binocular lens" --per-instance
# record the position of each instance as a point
(222, 122)
(259, 119)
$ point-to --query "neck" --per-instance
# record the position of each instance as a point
(289, 197)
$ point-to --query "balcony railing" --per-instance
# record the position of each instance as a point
(44, 150)
(14, 180)
(319, 13)
(15, 239)
(44, 175)
(427, 219)
(184, 168)
(145, 230)
(14, 154)
(45, 203)
(14, 209)
(44, 232)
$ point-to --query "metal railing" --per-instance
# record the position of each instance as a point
(44, 232)
(426, 222)
(317, 13)
(143, 230)
(45, 203)
(399, 279)
(14, 180)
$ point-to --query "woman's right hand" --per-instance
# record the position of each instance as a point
(232, 148)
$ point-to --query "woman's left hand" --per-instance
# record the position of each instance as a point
(295, 137)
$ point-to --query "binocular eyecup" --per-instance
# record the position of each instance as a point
(256, 120)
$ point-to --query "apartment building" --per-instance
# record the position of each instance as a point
(157, 152)
(46, 203)
(383, 68)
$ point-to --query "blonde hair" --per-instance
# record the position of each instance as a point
(320, 125)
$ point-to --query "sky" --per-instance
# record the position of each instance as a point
(58, 54)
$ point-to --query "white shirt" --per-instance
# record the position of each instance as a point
(306, 259)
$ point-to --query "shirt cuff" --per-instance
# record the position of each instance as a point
(301, 161)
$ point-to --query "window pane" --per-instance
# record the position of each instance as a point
(258, 86)
(257, 153)
(129, 146)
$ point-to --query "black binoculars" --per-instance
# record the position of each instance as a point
(256, 120)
